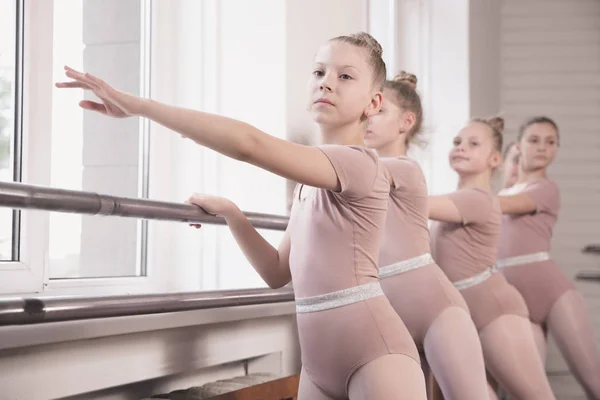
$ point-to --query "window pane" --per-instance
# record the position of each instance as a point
(89, 151)
(8, 38)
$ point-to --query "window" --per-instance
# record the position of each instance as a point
(66, 148)
(90, 152)
(209, 70)
(9, 84)
(196, 62)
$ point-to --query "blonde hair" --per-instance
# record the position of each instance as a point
(404, 87)
(496, 124)
(367, 42)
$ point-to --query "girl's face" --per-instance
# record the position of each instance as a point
(538, 146)
(386, 126)
(473, 151)
(510, 171)
(341, 88)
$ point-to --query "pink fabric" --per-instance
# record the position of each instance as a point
(530, 233)
(540, 283)
(466, 249)
(493, 298)
(406, 234)
(335, 240)
(421, 295)
(336, 236)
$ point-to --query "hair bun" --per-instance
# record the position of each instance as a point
(497, 123)
(370, 41)
(406, 78)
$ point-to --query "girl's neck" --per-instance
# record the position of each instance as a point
(348, 135)
(396, 148)
(475, 181)
(531, 174)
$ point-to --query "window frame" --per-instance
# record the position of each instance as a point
(29, 273)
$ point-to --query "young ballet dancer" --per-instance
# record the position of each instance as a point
(531, 208)
(464, 243)
(421, 294)
(510, 165)
(353, 343)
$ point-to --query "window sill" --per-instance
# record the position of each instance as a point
(16, 336)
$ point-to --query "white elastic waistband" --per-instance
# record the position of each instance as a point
(475, 280)
(338, 299)
(405, 266)
(524, 259)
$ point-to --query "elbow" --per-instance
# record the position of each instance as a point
(278, 278)
(275, 285)
(248, 142)
(277, 282)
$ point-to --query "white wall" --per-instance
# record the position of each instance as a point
(551, 66)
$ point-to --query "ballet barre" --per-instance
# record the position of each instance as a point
(23, 196)
(589, 275)
(33, 310)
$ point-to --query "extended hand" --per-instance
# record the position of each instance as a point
(115, 103)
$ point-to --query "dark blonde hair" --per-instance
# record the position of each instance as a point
(374, 50)
(496, 124)
(537, 120)
(404, 87)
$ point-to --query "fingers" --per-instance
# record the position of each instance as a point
(73, 84)
(195, 199)
(190, 201)
(97, 81)
(87, 79)
(93, 106)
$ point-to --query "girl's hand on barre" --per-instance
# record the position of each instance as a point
(214, 205)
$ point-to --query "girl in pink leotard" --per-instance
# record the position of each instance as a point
(531, 208)
(353, 343)
(464, 242)
(421, 294)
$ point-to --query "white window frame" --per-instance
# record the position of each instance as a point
(30, 274)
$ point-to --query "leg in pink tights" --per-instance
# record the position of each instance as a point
(494, 389)
(512, 358)
(426, 374)
(570, 326)
(391, 377)
(454, 354)
(540, 340)
(307, 390)
(492, 393)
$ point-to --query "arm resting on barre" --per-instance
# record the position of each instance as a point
(271, 264)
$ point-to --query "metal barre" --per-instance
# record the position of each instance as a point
(35, 310)
(24, 196)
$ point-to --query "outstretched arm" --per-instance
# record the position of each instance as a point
(442, 208)
(466, 206)
(271, 264)
(517, 204)
(233, 138)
